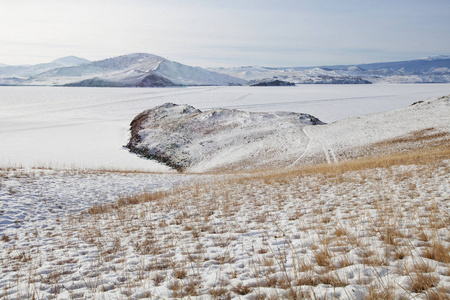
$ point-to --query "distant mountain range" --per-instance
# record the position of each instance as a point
(434, 69)
(147, 70)
(25, 71)
(132, 70)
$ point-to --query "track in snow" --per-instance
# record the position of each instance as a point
(327, 149)
(307, 146)
(323, 143)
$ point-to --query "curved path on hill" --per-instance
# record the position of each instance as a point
(308, 147)
(318, 139)
(328, 150)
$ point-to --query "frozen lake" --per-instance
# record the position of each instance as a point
(64, 127)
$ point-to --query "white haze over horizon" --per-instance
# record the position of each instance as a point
(232, 33)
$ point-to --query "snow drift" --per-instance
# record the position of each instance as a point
(182, 136)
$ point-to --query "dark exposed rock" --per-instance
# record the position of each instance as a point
(341, 80)
(151, 80)
(154, 80)
(152, 119)
(94, 82)
(276, 82)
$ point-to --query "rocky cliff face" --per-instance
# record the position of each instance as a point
(184, 137)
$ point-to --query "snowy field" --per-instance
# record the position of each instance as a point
(29, 197)
(87, 127)
(364, 234)
(322, 235)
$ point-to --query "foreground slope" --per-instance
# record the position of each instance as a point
(187, 139)
(373, 228)
(354, 137)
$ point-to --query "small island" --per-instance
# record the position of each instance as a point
(271, 83)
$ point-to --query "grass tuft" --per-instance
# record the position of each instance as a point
(421, 282)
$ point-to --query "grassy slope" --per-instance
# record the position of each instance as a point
(372, 228)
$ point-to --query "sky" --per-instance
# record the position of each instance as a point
(213, 33)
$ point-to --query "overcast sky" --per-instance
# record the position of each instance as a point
(211, 33)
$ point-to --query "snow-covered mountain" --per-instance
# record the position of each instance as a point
(147, 70)
(297, 75)
(138, 69)
(69, 61)
(435, 69)
(18, 74)
(436, 57)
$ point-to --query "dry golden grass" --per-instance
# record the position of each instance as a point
(377, 292)
(419, 147)
(426, 137)
(220, 292)
(438, 294)
(437, 251)
(5, 238)
(124, 201)
(323, 257)
(421, 156)
(241, 289)
(421, 282)
(293, 228)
